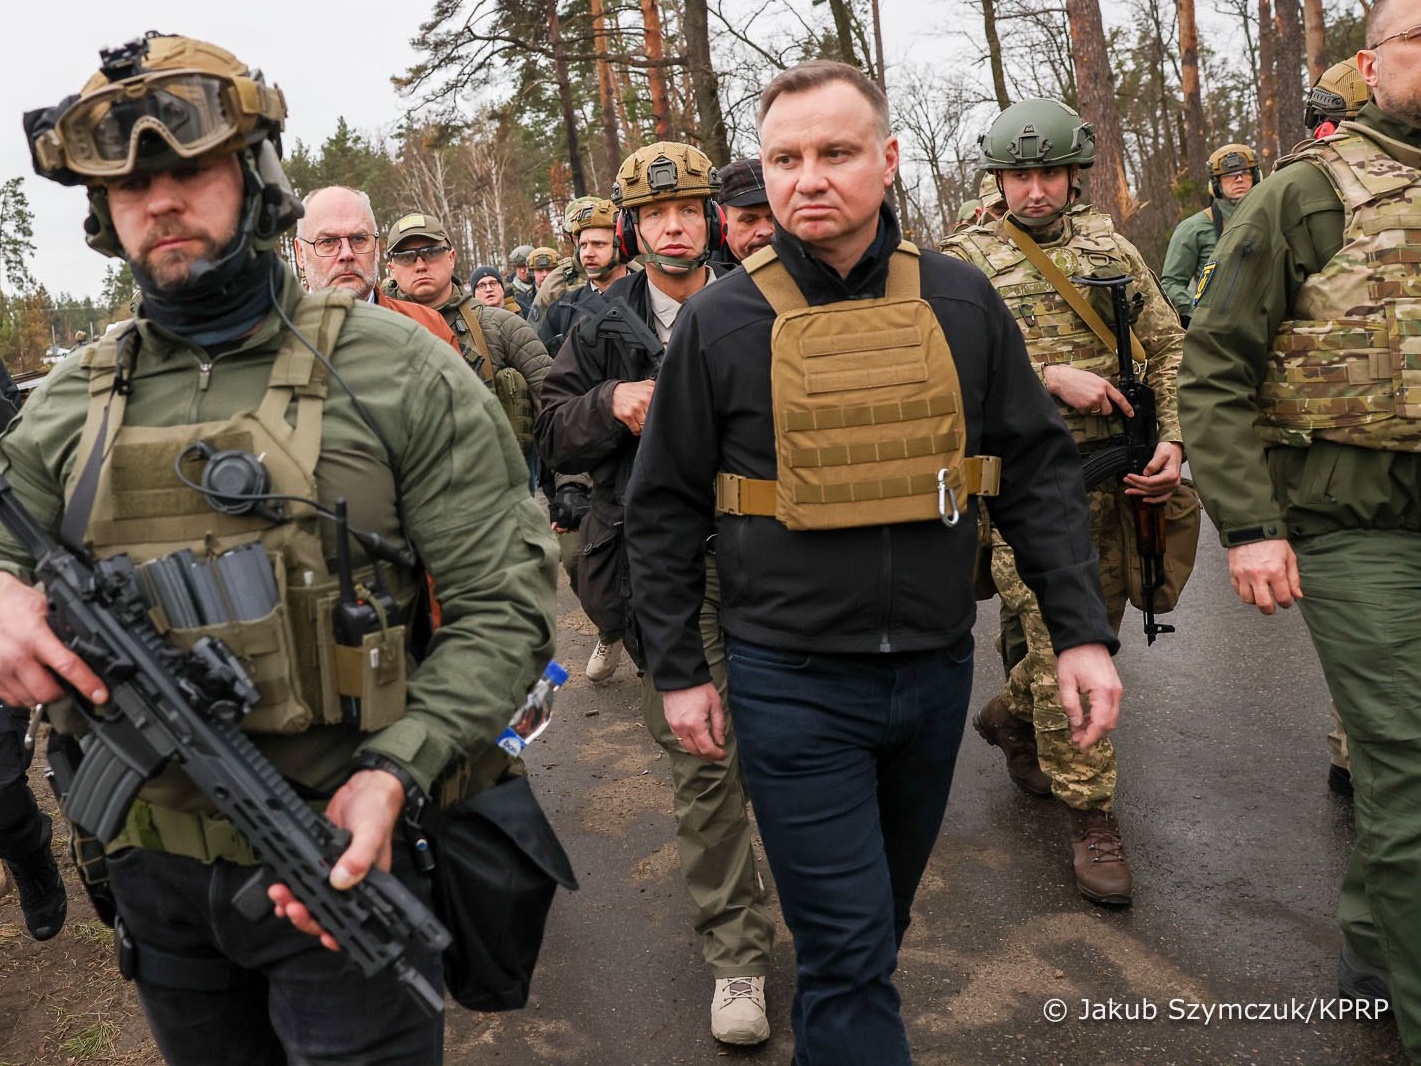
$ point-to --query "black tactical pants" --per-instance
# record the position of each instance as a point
(23, 832)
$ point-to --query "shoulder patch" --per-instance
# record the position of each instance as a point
(1204, 276)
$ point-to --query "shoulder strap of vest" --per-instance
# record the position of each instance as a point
(1349, 160)
(478, 339)
(318, 318)
(106, 397)
(1072, 295)
(1217, 217)
(783, 295)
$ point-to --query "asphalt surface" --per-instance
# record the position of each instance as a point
(1236, 843)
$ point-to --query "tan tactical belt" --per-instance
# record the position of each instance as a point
(734, 494)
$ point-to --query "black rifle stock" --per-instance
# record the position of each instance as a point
(167, 705)
(1131, 452)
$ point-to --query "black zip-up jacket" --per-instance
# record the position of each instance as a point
(575, 430)
(871, 589)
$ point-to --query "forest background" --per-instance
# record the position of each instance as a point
(516, 106)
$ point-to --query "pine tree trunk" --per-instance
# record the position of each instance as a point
(1315, 36)
(994, 53)
(569, 114)
(843, 29)
(606, 92)
(1196, 148)
(1288, 62)
(1267, 89)
(704, 84)
(1095, 89)
(656, 75)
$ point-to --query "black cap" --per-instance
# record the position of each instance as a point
(485, 272)
(742, 183)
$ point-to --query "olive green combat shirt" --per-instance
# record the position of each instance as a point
(1190, 247)
(1285, 229)
(465, 496)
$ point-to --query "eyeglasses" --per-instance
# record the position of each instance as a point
(360, 243)
(1404, 35)
(427, 252)
(489, 283)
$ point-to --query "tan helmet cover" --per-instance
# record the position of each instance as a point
(666, 170)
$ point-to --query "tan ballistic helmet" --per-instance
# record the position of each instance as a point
(664, 171)
(589, 212)
(1338, 94)
(155, 100)
(542, 258)
(1232, 159)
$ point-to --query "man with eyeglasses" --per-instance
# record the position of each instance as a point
(1300, 398)
(503, 349)
(486, 283)
(336, 247)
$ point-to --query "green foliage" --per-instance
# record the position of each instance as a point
(16, 236)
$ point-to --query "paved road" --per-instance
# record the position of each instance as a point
(1236, 843)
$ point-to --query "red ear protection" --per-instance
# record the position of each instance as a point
(627, 246)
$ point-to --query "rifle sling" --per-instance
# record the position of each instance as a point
(1072, 295)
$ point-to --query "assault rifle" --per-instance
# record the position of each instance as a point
(166, 705)
(1129, 452)
(618, 325)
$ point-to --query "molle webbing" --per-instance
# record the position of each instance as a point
(867, 407)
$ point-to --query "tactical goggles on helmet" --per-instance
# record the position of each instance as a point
(192, 112)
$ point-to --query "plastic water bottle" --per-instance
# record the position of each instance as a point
(529, 721)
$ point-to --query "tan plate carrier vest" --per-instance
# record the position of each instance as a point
(508, 385)
(140, 507)
(869, 426)
(1348, 367)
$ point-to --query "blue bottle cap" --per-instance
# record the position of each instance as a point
(556, 673)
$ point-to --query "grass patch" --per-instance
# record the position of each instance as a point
(91, 931)
(93, 1039)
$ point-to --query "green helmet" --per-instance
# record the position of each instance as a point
(1037, 133)
(519, 256)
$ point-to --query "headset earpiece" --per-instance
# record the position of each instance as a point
(626, 234)
(715, 226)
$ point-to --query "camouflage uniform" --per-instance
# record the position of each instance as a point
(1084, 241)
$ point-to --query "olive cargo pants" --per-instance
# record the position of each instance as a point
(1362, 604)
(713, 836)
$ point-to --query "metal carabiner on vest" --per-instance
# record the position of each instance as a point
(946, 495)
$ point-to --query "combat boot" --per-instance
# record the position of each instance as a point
(41, 889)
(1102, 871)
(1017, 739)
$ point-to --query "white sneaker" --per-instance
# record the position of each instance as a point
(602, 663)
(738, 1011)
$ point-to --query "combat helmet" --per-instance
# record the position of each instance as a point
(519, 256)
(666, 170)
(1037, 133)
(1231, 159)
(154, 101)
(1338, 94)
(589, 212)
(542, 258)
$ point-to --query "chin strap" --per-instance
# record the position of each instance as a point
(673, 261)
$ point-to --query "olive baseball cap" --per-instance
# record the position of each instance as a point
(415, 225)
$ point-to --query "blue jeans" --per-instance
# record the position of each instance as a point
(849, 760)
(288, 1001)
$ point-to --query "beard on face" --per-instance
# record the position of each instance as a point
(172, 269)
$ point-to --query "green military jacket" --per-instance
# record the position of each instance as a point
(1285, 230)
(1085, 241)
(512, 342)
(463, 484)
(1190, 247)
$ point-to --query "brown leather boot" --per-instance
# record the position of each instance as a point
(1017, 739)
(1102, 871)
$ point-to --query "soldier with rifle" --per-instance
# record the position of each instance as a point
(1038, 257)
(211, 467)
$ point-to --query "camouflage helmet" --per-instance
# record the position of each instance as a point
(154, 100)
(1037, 133)
(589, 212)
(542, 258)
(519, 256)
(665, 170)
(1338, 94)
